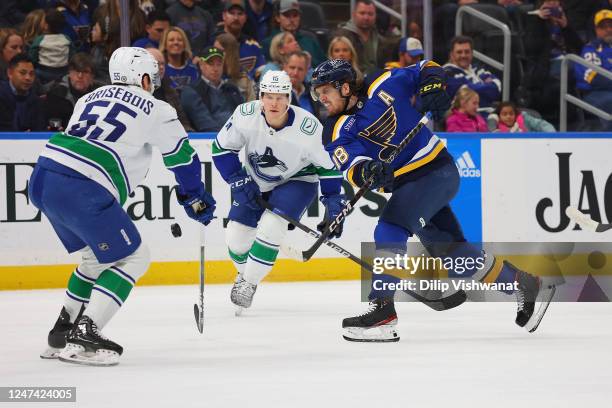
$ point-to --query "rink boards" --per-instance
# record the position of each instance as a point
(513, 189)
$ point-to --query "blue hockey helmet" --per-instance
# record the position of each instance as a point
(335, 72)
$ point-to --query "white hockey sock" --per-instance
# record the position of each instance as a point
(81, 283)
(239, 240)
(114, 285)
(262, 255)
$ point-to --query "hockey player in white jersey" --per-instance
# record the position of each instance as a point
(84, 176)
(284, 162)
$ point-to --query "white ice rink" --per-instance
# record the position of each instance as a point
(287, 351)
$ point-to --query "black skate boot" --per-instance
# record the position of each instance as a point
(530, 288)
(85, 344)
(376, 324)
(57, 336)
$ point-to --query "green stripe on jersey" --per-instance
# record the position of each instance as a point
(115, 284)
(183, 156)
(312, 170)
(96, 154)
(218, 150)
(324, 173)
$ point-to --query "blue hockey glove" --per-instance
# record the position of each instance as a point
(245, 190)
(334, 204)
(432, 92)
(199, 207)
(382, 172)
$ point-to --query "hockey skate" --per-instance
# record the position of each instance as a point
(531, 289)
(85, 344)
(57, 336)
(242, 294)
(376, 324)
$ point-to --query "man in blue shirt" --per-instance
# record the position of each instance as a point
(157, 22)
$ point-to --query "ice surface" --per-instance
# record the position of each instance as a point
(287, 351)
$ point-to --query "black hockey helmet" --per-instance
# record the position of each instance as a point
(334, 72)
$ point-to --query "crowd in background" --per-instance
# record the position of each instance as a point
(211, 54)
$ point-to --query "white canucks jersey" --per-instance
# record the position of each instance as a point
(274, 156)
(110, 136)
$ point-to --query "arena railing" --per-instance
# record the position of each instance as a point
(505, 66)
(565, 97)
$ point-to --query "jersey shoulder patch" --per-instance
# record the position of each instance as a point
(247, 109)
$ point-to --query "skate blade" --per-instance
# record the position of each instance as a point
(546, 297)
(380, 334)
(238, 311)
(51, 353)
(76, 354)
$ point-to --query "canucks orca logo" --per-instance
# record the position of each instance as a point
(265, 161)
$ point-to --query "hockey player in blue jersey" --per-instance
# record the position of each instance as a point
(84, 176)
(364, 128)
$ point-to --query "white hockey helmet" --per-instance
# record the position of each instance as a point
(128, 65)
(277, 82)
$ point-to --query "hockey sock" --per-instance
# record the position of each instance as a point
(239, 239)
(262, 255)
(390, 240)
(77, 293)
(114, 285)
(500, 272)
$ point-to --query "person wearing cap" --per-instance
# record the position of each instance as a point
(210, 101)
(234, 21)
(288, 16)
(460, 71)
(197, 23)
(373, 48)
(597, 89)
(410, 53)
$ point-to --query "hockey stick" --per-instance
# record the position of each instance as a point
(306, 255)
(585, 221)
(441, 304)
(198, 308)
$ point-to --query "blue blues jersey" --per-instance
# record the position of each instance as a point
(380, 120)
(599, 53)
(251, 57)
(181, 77)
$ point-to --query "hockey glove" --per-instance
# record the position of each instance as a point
(245, 190)
(334, 204)
(381, 171)
(432, 91)
(200, 207)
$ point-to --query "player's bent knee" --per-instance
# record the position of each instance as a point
(239, 237)
(272, 228)
(136, 264)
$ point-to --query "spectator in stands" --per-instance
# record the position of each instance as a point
(282, 45)
(11, 44)
(33, 26)
(508, 118)
(259, 18)
(342, 48)
(464, 115)
(296, 66)
(63, 94)
(460, 71)
(20, 107)
(52, 50)
(287, 15)
(177, 52)
(100, 52)
(232, 71)
(157, 23)
(168, 94)
(410, 53)
(109, 16)
(251, 56)
(373, 49)
(78, 22)
(196, 22)
(210, 100)
(596, 88)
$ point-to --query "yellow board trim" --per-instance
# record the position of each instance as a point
(184, 273)
(377, 82)
(421, 162)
